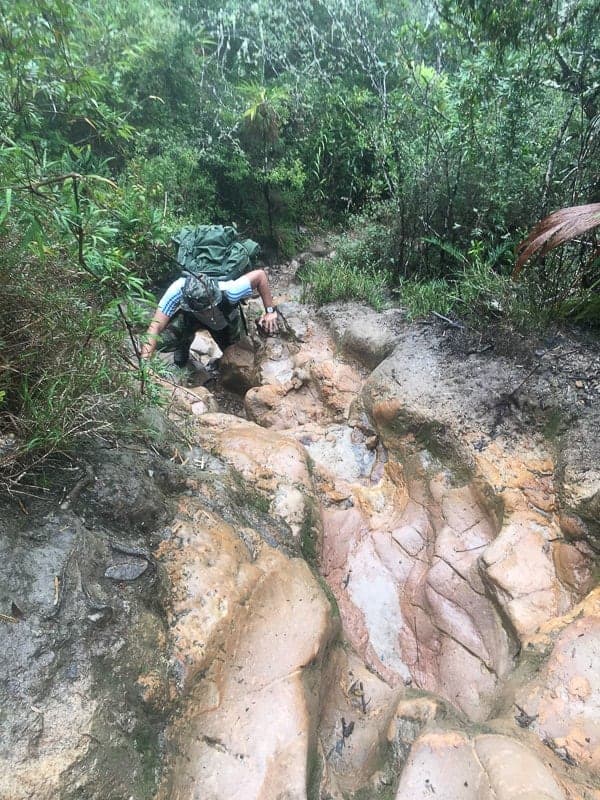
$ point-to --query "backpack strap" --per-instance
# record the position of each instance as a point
(243, 316)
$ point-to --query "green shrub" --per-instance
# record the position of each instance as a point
(61, 377)
(361, 267)
(420, 298)
(475, 287)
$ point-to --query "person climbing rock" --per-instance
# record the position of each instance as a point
(193, 303)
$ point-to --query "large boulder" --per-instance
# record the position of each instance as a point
(273, 469)
(365, 334)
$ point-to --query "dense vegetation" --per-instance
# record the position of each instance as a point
(434, 133)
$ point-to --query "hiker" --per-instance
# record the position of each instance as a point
(195, 303)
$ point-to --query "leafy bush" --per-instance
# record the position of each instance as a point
(474, 286)
(61, 377)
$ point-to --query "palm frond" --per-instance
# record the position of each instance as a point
(556, 229)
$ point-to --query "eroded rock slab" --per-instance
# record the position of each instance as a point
(563, 700)
(250, 631)
(403, 564)
(452, 765)
(415, 400)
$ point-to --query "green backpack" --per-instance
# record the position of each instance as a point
(215, 251)
(206, 255)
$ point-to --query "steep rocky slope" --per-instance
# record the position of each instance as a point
(377, 579)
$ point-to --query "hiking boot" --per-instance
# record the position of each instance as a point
(181, 356)
(213, 366)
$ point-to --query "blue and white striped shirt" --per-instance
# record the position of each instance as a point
(234, 291)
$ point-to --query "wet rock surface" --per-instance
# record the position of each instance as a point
(251, 627)
(453, 765)
(373, 578)
(75, 645)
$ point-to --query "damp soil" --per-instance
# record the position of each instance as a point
(570, 355)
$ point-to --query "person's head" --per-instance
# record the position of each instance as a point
(200, 293)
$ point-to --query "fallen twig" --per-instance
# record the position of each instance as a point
(513, 394)
(448, 321)
(87, 478)
(480, 350)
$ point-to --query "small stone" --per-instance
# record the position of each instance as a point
(126, 571)
(96, 616)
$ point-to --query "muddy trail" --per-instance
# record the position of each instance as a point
(371, 573)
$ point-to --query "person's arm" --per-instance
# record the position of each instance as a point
(167, 308)
(156, 327)
(259, 282)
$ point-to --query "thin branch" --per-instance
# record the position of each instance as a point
(449, 321)
(553, 157)
(135, 345)
(33, 185)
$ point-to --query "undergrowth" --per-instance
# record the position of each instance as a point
(63, 377)
(337, 279)
(473, 285)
